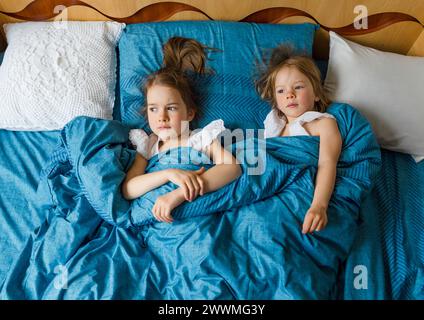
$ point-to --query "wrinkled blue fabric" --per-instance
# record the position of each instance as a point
(390, 242)
(21, 160)
(242, 242)
(279, 174)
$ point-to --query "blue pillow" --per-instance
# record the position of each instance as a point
(1, 57)
(229, 93)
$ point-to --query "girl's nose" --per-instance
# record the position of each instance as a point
(163, 116)
(290, 95)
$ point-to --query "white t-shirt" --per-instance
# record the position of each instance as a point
(148, 145)
(274, 125)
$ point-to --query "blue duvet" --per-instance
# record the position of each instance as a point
(243, 241)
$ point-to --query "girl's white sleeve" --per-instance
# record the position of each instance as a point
(140, 140)
(203, 139)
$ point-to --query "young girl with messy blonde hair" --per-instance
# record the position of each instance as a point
(292, 85)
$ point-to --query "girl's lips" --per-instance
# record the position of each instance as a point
(292, 105)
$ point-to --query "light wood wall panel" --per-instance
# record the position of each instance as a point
(417, 48)
(331, 12)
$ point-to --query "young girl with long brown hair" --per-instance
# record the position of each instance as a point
(170, 107)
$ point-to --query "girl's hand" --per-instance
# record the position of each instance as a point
(190, 182)
(315, 219)
(164, 205)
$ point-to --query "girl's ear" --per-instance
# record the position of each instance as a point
(191, 113)
(317, 99)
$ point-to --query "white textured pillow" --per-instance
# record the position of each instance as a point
(55, 71)
(387, 88)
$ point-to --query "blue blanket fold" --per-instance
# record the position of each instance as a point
(243, 241)
(100, 158)
(276, 170)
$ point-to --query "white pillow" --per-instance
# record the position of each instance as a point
(55, 71)
(387, 88)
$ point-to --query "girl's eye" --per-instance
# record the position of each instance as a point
(298, 87)
(172, 108)
(280, 91)
(152, 109)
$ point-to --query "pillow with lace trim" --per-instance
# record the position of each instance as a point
(53, 72)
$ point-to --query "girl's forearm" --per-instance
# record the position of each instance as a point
(324, 185)
(220, 175)
(214, 178)
(142, 184)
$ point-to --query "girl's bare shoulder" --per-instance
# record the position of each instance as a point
(322, 126)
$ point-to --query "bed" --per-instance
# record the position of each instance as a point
(383, 259)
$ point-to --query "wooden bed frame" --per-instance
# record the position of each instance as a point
(390, 25)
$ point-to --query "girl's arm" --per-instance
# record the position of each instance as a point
(137, 183)
(225, 170)
(329, 152)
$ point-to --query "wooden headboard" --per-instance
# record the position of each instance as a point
(390, 25)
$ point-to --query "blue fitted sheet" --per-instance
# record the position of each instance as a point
(390, 242)
(22, 156)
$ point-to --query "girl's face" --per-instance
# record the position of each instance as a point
(167, 113)
(294, 92)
